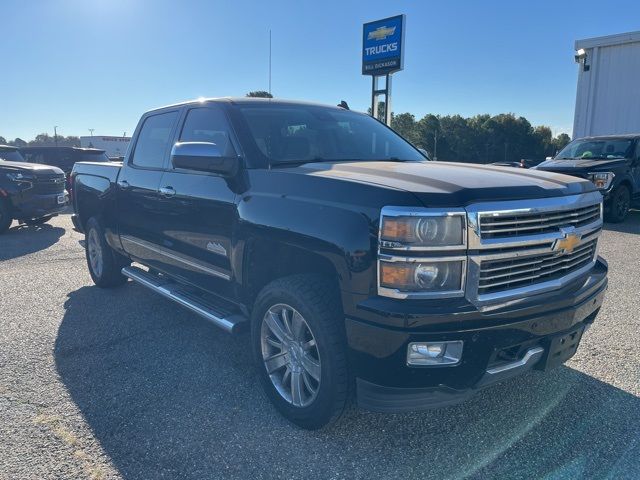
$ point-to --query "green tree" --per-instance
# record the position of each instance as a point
(259, 94)
(405, 125)
(559, 143)
(3, 141)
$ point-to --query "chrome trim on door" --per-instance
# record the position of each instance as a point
(175, 256)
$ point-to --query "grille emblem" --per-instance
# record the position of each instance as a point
(567, 243)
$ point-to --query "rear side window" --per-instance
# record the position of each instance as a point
(208, 125)
(153, 140)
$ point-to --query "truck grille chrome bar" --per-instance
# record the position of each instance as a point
(498, 275)
(529, 223)
(517, 250)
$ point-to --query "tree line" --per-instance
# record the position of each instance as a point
(44, 140)
(478, 139)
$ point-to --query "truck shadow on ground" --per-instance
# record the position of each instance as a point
(630, 225)
(168, 395)
(25, 239)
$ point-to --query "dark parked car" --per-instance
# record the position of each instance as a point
(63, 157)
(31, 194)
(612, 163)
(359, 267)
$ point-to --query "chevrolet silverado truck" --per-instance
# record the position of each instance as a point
(361, 270)
(30, 194)
(611, 162)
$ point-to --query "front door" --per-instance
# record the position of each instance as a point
(140, 220)
(199, 208)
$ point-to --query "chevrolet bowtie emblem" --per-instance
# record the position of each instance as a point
(381, 33)
(566, 244)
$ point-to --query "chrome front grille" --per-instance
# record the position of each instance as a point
(495, 225)
(522, 248)
(505, 274)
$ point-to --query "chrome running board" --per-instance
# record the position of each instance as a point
(215, 313)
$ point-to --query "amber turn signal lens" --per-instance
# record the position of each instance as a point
(397, 229)
(396, 275)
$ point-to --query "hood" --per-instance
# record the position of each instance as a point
(453, 184)
(35, 168)
(581, 164)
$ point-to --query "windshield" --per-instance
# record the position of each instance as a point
(601, 149)
(302, 133)
(11, 156)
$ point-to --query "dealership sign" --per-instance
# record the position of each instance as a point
(383, 46)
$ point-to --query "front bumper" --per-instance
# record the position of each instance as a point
(381, 329)
(27, 205)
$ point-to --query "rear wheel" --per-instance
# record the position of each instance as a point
(104, 263)
(619, 204)
(5, 217)
(299, 348)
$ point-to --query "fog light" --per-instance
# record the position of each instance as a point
(434, 353)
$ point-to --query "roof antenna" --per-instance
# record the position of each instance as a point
(343, 104)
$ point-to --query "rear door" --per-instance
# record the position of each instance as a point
(139, 213)
(198, 208)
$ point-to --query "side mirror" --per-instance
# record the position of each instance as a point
(202, 157)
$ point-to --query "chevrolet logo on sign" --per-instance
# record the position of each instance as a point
(381, 33)
(566, 244)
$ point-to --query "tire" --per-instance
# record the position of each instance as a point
(38, 221)
(104, 263)
(619, 204)
(312, 298)
(5, 217)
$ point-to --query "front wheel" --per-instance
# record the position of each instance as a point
(300, 350)
(619, 205)
(104, 263)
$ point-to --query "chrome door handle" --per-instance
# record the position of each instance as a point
(167, 192)
(123, 184)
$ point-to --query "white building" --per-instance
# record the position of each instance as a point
(113, 146)
(608, 96)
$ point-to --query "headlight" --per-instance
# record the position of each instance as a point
(602, 180)
(423, 277)
(421, 229)
(19, 177)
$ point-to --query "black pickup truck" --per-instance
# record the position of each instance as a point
(31, 194)
(360, 268)
(611, 162)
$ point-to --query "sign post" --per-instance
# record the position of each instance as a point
(382, 55)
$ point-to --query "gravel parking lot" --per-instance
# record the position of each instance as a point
(124, 384)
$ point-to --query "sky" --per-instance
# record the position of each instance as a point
(81, 64)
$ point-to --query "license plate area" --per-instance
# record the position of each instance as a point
(561, 348)
(61, 199)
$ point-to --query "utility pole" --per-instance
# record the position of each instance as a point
(91, 131)
(435, 145)
(55, 135)
(269, 61)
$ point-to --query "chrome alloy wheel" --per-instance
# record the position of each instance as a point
(94, 248)
(290, 355)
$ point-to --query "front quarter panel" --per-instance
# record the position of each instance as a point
(335, 219)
